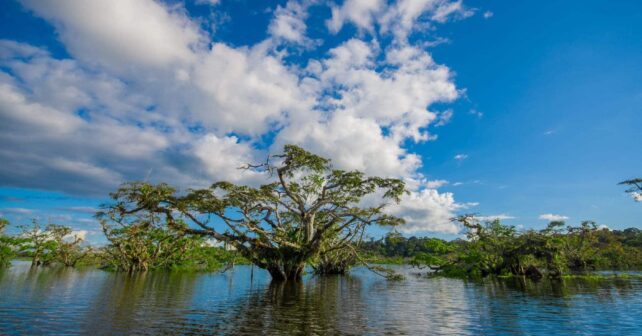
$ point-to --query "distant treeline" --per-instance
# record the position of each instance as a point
(492, 248)
(131, 248)
(276, 228)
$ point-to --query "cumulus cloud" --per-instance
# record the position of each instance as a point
(157, 99)
(399, 18)
(223, 158)
(404, 16)
(289, 22)
(351, 130)
(552, 217)
(427, 211)
(434, 184)
(114, 33)
(361, 13)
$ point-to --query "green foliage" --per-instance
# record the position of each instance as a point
(51, 244)
(145, 243)
(37, 244)
(7, 245)
(67, 250)
(499, 250)
(308, 213)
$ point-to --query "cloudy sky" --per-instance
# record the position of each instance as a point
(528, 112)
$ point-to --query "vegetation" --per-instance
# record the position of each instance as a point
(141, 243)
(6, 245)
(312, 214)
(306, 212)
(51, 244)
(492, 248)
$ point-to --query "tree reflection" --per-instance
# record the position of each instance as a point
(144, 301)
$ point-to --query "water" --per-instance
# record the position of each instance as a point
(66, 301)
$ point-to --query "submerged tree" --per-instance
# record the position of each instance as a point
(6, 244)
(38, 244)
(66, 247)
(142, 242)
(496, 249)
(280, 226)
(52, 244)
(635, 188)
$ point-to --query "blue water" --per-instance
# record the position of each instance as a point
(244, 302)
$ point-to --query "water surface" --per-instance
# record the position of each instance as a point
(243, 301)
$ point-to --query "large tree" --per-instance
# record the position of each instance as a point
(306, 208)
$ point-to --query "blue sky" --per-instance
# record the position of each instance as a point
(519, 110)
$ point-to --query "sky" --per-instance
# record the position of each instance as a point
(526, 111)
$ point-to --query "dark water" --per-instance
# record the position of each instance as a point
(60, 301)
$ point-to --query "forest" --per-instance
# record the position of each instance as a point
(310, 218)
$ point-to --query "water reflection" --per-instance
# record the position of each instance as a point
(64, 301)
(140, 303)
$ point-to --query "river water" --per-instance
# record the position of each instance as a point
(242, 301)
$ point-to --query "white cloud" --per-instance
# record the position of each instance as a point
(241, 90)
(208, 2)
(289, 22)
(155, 99)
(445, 10)
(436, 184)
(403, 16)
(552, 217)
(427, 211)
(359, 12)
(223, 158)
(461, 157)
(488, 14)
(353, 143)
(123, 35)
(491, 218)
(399, 18)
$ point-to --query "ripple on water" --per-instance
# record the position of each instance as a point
(62, 301)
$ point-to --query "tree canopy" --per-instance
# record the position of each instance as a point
(493, 248)
(307, 208)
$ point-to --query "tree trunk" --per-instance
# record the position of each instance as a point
(35, 262)
(277, 273)
(287, 273)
